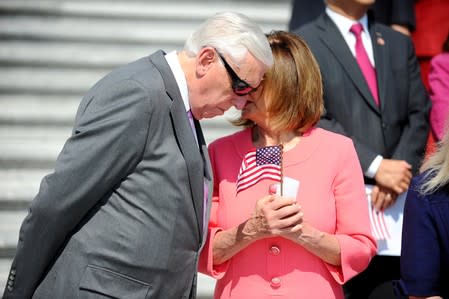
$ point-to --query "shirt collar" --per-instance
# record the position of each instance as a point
(175, 66)
(344, 24)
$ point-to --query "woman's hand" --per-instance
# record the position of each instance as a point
(273, 216)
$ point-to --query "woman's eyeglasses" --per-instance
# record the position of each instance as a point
(239, 86)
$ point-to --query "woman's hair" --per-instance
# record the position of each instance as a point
(436, 167)
(233, 34)
(293, 85)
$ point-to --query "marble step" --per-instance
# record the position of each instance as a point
(60, 109)
(73, 54)
(10, 222)
(5, 265)
(94, 30)
(38, 146)
(27, 109)
(133, 30)
(47, 80)
(279, 11)
(18, 187)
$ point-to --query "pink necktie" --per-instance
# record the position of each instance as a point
(362, 59)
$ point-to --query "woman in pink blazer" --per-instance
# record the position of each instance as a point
(304, 245)
(439, 91)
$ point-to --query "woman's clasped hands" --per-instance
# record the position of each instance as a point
(275, 215)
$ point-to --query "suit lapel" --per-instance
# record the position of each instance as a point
(184, 135)
(334, 41)
(208, 177)
(381, 59)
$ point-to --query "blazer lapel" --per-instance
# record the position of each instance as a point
(184, 135)
(381, 59)
(334, 41)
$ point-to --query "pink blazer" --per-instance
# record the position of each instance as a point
(333, 200)
(439, 93)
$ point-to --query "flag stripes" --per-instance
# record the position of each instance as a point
(259, 164)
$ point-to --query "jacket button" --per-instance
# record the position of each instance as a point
(274, 250)
(275, 282)
(10, 283)
(10, 288)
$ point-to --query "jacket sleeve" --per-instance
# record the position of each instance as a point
(107, 143)
(353, 229)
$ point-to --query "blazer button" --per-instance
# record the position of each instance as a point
(275, 282)
(11, 277)
(10, 283)
(274, 250)
(10, 288)
(13, 272)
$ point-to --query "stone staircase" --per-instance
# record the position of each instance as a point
(52, 51)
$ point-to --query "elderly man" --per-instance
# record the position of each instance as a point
(123, 214)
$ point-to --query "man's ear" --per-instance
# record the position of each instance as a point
(205, 60)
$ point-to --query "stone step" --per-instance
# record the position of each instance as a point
(10, 222)
(5, 265)
(132, 30)
(73, 54)
(22, 145)
(94, 30)
(38, 146)
(60, 110)
(27, 109)
(164, 11)
(44, 80)
(19, 186)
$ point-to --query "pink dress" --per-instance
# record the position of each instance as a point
(333, 200)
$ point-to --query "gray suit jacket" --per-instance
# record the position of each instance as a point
(121, 216)
(398, 129)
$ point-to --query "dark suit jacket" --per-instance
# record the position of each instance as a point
(121, 215)
(398, 128)
(387, 12)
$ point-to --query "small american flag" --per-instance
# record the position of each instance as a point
(259, 164)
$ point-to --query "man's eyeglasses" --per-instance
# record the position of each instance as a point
(239, 86)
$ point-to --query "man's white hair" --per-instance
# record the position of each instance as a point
(231, 33)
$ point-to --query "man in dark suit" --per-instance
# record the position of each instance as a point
(399, 14)
(123, 215)
(385, 113)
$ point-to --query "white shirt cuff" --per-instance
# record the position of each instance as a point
(372, 169)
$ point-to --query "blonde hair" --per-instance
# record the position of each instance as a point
(293, 85)
(436, 167)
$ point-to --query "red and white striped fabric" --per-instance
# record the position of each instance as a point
(378, 225)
